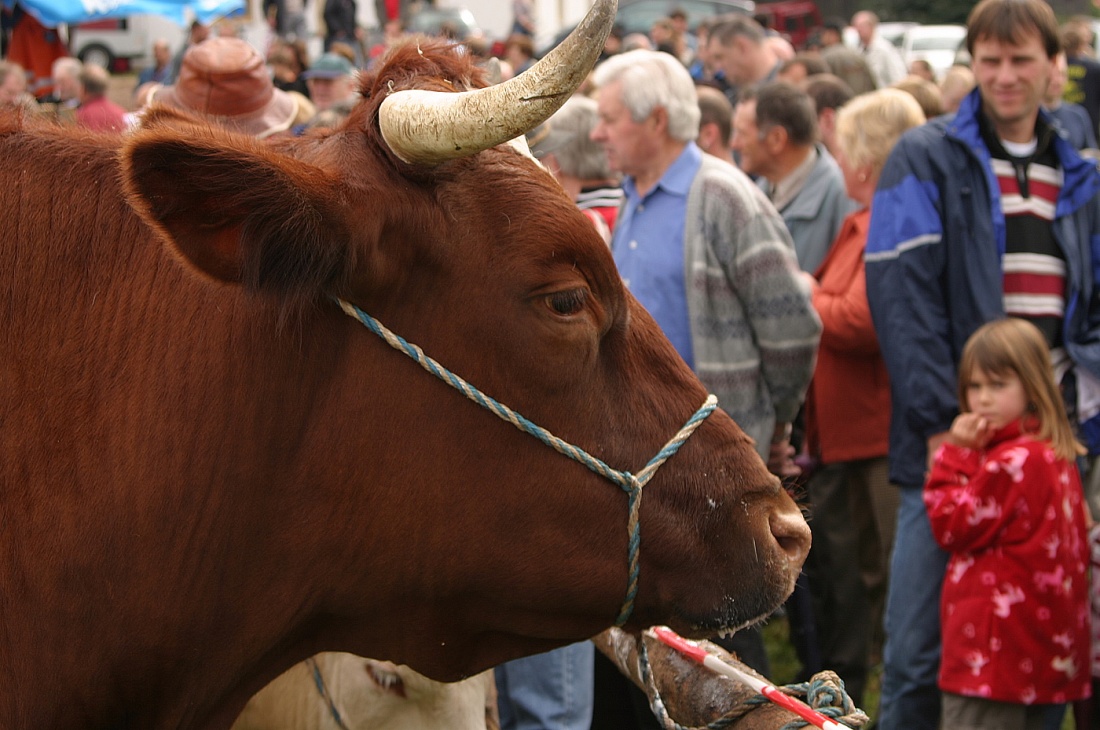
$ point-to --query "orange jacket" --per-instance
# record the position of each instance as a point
(848, 404)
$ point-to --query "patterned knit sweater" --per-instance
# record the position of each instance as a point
(754, 331)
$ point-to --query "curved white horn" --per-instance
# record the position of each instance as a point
(429, 127)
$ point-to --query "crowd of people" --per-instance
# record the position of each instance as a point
(886, 274)
(861, 259)
(215, 72)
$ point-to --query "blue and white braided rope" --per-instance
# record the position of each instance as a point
(630, 483)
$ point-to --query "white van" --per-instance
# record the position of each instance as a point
(123, 44)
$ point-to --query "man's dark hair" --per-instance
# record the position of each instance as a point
(715, 108)
(809, 61)
(779, 104)
(1076, 38)
(729, 27)
(827, 91)
(1011, 21)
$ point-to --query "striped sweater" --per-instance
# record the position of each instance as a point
(754, 331)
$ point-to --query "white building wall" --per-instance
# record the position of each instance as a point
(495, 16)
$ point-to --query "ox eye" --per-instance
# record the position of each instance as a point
(567, 303)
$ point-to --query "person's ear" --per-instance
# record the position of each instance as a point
(659, 117)
(708, 134)
(775, 139)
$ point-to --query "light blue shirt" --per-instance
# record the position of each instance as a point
(648, 246)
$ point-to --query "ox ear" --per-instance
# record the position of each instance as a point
(238, 211)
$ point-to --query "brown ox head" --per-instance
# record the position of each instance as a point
(447, 539)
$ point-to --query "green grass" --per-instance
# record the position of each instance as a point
(785, 664)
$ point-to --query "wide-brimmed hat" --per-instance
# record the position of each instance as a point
(329, 66)
(226, 78)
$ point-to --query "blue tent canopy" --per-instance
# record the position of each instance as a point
(52, 13)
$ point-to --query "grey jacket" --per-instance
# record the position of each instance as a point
(814, 216)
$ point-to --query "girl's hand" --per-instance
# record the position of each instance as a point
(970, 431)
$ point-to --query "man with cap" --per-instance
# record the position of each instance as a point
(227, 79)
(331, 79)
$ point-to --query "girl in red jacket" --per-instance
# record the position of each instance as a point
(1004, 498)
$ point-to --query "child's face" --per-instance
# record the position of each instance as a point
(998, 398)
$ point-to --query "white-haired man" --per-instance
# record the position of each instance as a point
(706, 253)
(65, 73)
(884, 59)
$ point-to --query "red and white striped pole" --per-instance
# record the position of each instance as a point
(699, 654)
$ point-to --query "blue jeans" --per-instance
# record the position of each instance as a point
(910, 698)
(551, 691)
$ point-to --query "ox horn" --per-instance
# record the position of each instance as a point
(429, 127)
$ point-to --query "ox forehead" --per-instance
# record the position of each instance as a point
(212, 473)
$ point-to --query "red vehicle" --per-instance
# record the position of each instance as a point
(796, 19)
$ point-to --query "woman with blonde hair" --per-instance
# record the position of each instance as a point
(847, 410)
(926, 92)
(957, 82)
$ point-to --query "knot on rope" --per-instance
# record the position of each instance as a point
(824, 693)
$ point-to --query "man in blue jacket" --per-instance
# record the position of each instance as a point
(979, 216)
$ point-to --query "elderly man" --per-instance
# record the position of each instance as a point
(775, 134)
(65, 74)
(649, 117)
(884, 59)
(740, 50)
(708, 255)
(331, 80)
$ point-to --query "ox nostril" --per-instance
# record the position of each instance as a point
(793, 535)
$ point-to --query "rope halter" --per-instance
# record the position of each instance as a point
(630, 483)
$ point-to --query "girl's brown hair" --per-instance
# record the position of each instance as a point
(1016, 346)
